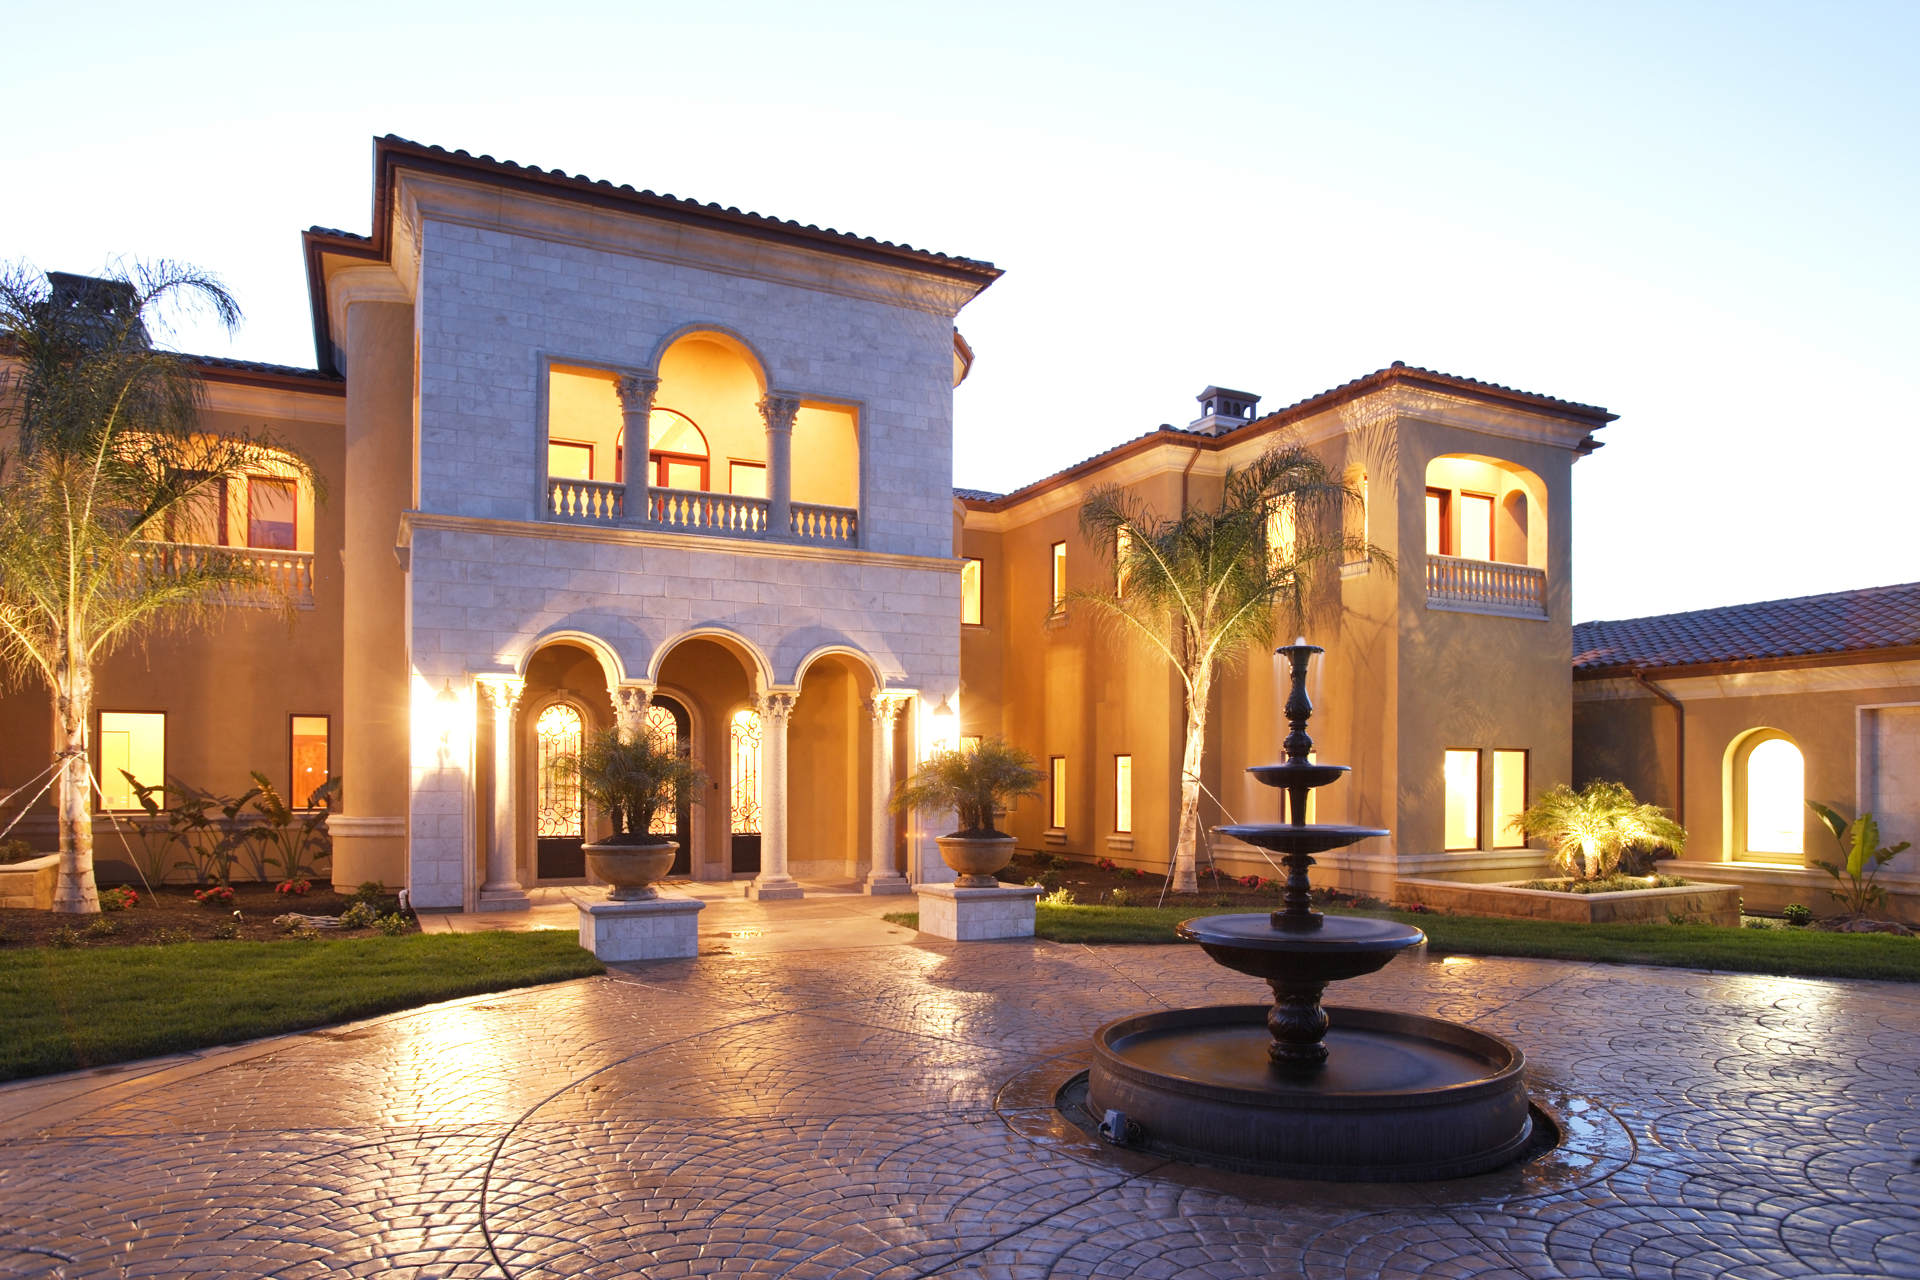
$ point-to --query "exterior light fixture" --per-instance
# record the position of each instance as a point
(942, 728)
(446, 706)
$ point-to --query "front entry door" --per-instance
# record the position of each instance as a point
(743, 809)
(559, 824)
(670, 727)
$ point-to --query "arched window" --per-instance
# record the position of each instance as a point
(677, 450)
(558, 733)
(744, 745)
(1769, 796)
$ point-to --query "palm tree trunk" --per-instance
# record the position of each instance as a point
(74, 892)
(1185, 876)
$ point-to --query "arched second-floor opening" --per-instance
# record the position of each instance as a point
(1486, 536)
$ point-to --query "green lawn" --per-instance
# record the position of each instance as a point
(1788, 952)
(88, 1006)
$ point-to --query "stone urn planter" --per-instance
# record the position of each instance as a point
(631, 869)
(975, 858)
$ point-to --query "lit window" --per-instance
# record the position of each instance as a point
(744, 734)
(678, 451)
(1776, 798)
(1476, 526)
(1439, 526)
(201, 516)
(1462, 774)
(748, 479)
(1059, 575)
(131, 742)
(1509, 798)
(970, 593)
(1283, 533)
(1356, 515)
(970, 742)
(1123, 794)
(309, 766)
(1057, 793)
(270, 505)
(569, 461)
(1122, 554)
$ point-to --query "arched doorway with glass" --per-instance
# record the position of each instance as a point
(670, 728)
(559, 813)
(565, 702)
(745, 732)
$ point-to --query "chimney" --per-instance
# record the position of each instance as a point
(1222, 410)
(100, 308)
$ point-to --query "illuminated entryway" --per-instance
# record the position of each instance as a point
(560, 815)
(744, 738)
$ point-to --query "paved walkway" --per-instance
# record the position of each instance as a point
(884, 1111)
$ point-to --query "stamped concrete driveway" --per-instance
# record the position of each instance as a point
(885, 1111)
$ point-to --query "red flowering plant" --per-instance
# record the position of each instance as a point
(214, 895)
(118, 899)
(1105, 864)
(294, 888)
(1251, 882)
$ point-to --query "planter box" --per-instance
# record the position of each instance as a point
(654, 929)
(977, 915)
(1704, 903)
(30, 883)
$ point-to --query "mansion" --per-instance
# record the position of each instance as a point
(594, 456)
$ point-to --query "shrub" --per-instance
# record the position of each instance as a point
(16, 851)
(227, 930)
(217, 895)
(1861, 857)
(393, 925)
(165, 937)
(1119, 898)
(1042, 859)
(1752, 923)
(294, 888)
(1058, 897)
(1590, 828)
(1105, 864)
(369, 891)
(1252, 882)
(118, 899)
(1797, 916)
(360, 915)
(978, 785)
(1048, 880)
(101, 927)
(66, 936)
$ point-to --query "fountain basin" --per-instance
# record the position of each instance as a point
(1338, 947)
(1401, 1098)
(1319, 837)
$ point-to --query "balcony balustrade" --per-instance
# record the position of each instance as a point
(286, 575)
(730, 515)
(1486, 586)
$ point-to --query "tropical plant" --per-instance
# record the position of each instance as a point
(153, 831)
(632, 778)
(1202, 587)
(1861, 857)
(106, 458)
(206, 844)
(287, 844)
(976, 783)
(1588, 829)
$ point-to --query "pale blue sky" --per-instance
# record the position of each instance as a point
(1700, 216)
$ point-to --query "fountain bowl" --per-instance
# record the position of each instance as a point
(1336, 948)
(1402, 1097)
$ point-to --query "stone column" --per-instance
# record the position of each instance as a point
(773, 881)
(630, 702)
(502, 891)
(778, 410)
(636, 414)
(883, 877)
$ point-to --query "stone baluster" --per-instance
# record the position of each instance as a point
(636, 413)
(774, 882)
(884, 877)
(502, 891)
(779, 411)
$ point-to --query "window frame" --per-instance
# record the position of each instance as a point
(735, 464)
(97, 746)
(1445, 521)
(1740, 821)
(1057, 578)
(657, 463)
(299, 802)
(292, 487)
(1479, 800)
(979, 591)
(1496, 839)
(1119, 828)
(1056, 793)
(593, 459)
(1493, 520)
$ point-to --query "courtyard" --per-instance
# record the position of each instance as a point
(844, 1098)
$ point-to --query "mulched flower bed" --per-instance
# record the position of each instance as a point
(171, 915)
(1094, 884)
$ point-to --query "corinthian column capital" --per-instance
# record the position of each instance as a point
(778, 410)
(504, 692)
(636, 392)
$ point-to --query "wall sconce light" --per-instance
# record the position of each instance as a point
(943, 731)
(446, 707)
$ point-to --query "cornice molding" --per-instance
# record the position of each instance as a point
(1812, 676)
(733, 548)
(353, 283)
(326, 406)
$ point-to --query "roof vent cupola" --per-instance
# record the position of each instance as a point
(1222, 410)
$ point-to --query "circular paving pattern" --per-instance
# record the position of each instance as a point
(888, 1112)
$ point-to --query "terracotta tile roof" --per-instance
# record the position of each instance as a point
(579, 182)
(1589, 415)
(1805, 626)
(976, 495)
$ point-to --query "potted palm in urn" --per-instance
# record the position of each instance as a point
(632, 779)
(977, 784)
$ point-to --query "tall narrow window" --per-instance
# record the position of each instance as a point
(1354, 516)
(201, 516)
(744, 743)
(567, 460)
(1509, 799)
(1283, 533)
(308, 766)
(1476, 526)
(663, 731)
(1776, 787)
(1122, 554)
(1122, 794)
(270, 506)
(131, 742)
(747, 479)
(1439, 522)
(1057, 793)
(970, 593)
(558, 810)
(1059, 575)
(1462, 776)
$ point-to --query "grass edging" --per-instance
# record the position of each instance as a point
(1795, 953)
(69, 1008)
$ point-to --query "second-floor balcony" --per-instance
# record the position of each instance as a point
(1465, 585)
(284, 576)
(598, 502)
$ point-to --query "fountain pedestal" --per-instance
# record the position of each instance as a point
(1294, 1089)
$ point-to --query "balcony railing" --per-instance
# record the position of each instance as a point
(1486, 586)
(700, 511)
(286, 575)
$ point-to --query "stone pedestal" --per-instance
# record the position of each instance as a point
(657, 929)
(975, 915)
(881, 883)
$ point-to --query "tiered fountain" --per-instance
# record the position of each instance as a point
(1294, 1089)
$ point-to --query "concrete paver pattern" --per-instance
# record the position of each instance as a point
(885, 1111)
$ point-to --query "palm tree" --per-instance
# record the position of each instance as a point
(1590, 828)
(101, 458)
(1202, 587)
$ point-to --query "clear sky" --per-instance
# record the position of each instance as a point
(1700, 216)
